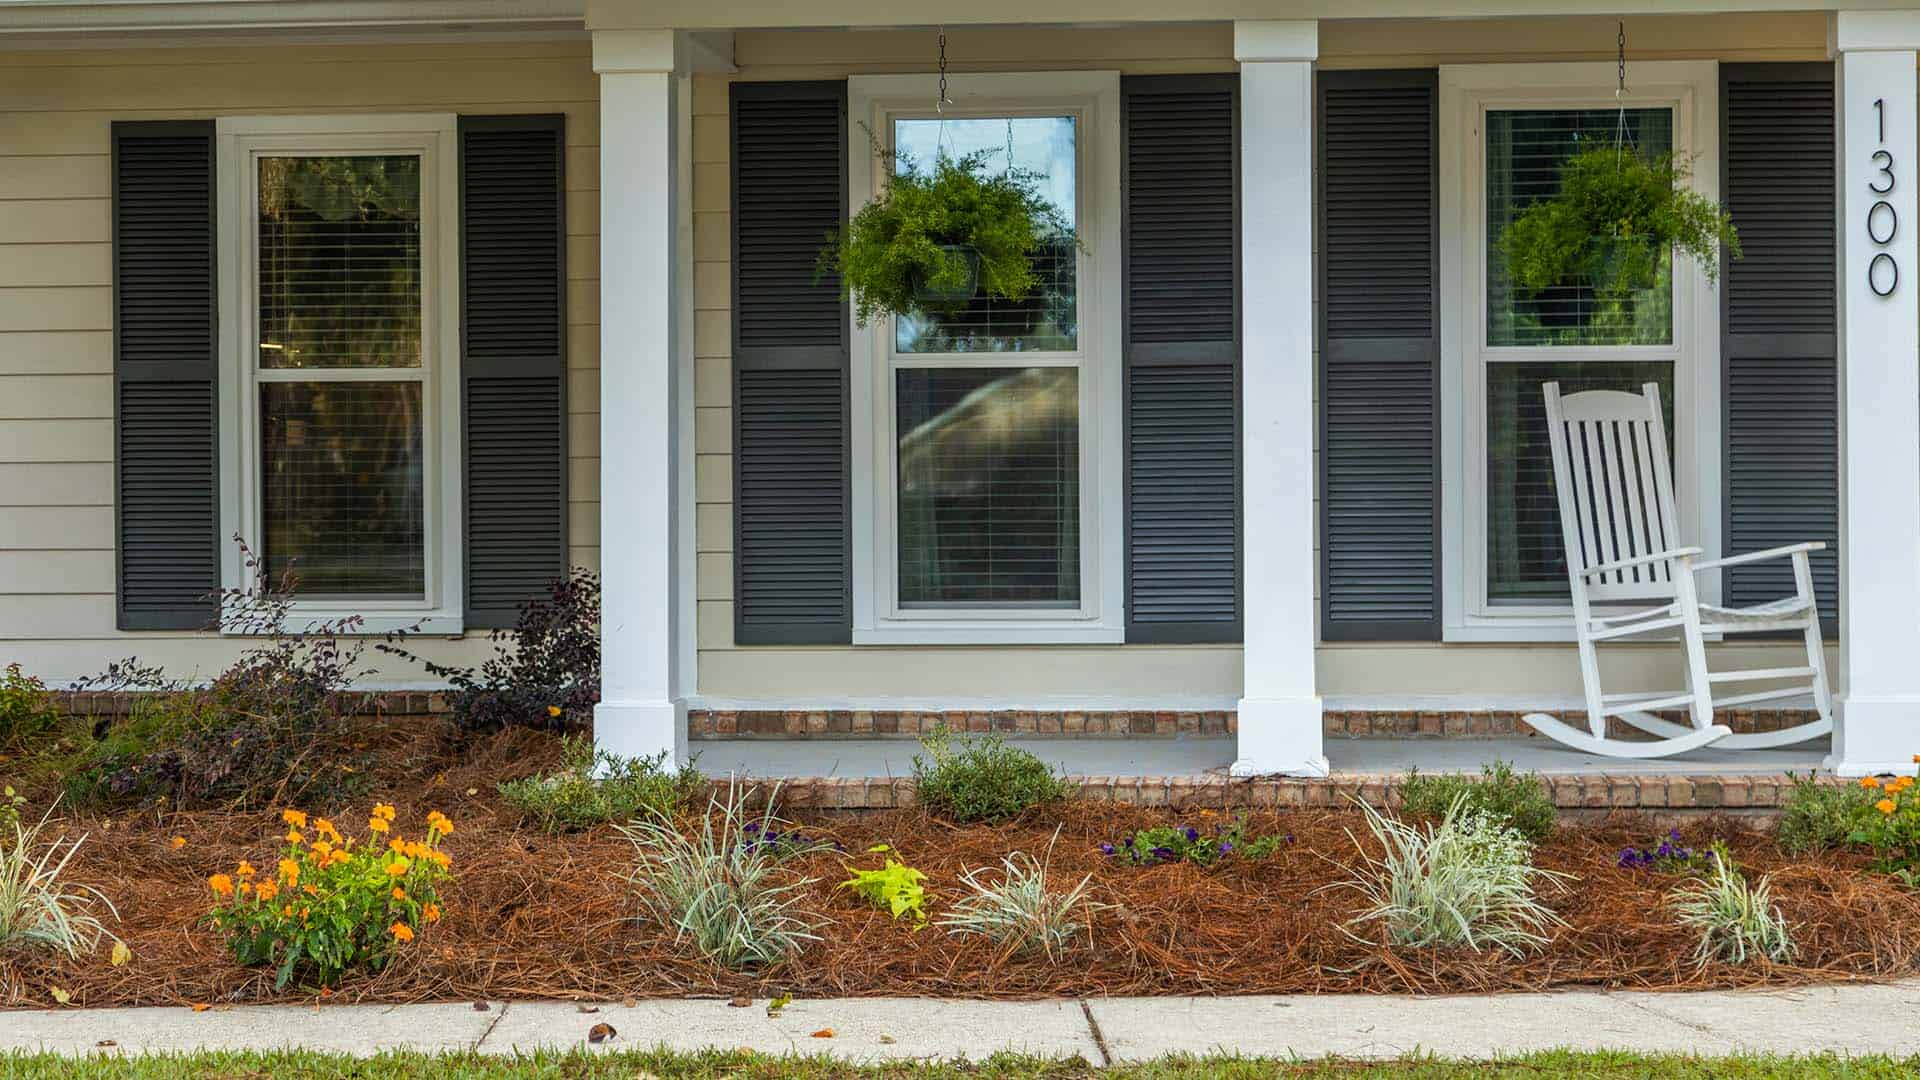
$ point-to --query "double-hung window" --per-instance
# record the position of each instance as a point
(986, 453)
(339, 326)
(1507, 130)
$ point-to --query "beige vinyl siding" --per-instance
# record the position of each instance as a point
(56, 358)
(1345, 671)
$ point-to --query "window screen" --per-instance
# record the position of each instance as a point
(342, 415)
(1047, 320)
(1525, 150)
(1526, 560)
(989, 497)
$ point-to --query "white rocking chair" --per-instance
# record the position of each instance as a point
(1615, 488)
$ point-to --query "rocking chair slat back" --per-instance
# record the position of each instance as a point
(1615, 488)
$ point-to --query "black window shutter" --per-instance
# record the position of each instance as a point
(791, 554)
(1778, 328)
(1379, 338)
(513, 359)
(1181, 331)
(165, 375)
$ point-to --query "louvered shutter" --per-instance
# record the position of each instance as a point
(513, 360)
(165, 364)
(1181, 329)
(1778, 328)
(1379, 338)
(791, 554)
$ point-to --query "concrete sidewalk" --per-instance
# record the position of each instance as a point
(1845, 1019)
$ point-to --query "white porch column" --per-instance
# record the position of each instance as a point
(1280, 712)
(1879, 172)
(643, 234)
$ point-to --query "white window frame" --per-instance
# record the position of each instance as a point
(1467, 92)
(434, 137)
(1092, 97)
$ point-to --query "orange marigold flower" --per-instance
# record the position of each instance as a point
(1885, 806)
(1869, 781)
(290, 871)
(177, 843)
(322, 848)
(267, 890)
(431, 912)
(294, 818)
(246, 887)
(438, 822)
(401, 931)
(294, 837)
(383, 810)
(338, 855)
(377, 824)
(399, 893)
(554, 711)
(1916, 759)
(245, 869)
(310, 890)
(398, 867)
(440, 859)
(325, 828)
(221, 884)
(287, 911)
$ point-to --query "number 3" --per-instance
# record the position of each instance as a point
(1885, 161)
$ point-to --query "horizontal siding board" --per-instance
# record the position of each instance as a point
(1379, 357)
(792, 570)
(1779, 322)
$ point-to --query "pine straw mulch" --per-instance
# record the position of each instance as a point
(537, 916)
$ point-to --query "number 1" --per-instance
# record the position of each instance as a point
(1880, 115)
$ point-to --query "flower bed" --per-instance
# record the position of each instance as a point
(532, 914)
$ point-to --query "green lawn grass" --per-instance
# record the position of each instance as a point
(642, 1065)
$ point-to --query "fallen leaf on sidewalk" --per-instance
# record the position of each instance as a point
(823, 1033)
(481, 1006)
(588, 1008)
(201, 1006)
(741, 1002)
(600, 1033)
(106, 1042)
(781, 1002)
(888, 1040)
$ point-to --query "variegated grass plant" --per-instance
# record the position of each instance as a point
(1467, 880)
(37, 908)
(721, 890)
(1021, 910)
(1737, 921)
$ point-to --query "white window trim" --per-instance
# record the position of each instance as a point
(434, 136)
(1692, 89)
(1094, 97)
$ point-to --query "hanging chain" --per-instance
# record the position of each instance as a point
(1622, 41)
(1622, 138)
(941, 105)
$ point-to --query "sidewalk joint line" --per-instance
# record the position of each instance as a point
(1099, 1040)
(1703, 1029)
(497, 1017)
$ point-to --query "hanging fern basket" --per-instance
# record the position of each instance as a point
(934, 239)
(1617, 215)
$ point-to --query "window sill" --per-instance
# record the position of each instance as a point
(423, 623)
(997, 633)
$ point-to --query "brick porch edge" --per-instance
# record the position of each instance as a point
(1590, 792)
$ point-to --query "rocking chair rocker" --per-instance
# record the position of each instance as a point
(1617, 520)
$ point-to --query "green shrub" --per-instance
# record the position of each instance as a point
(1518, 801)
(594, 786)
(26, 709)
(718, 888)
(967, 779)
(1736, 922)
(1819, 816)
(1467, 881)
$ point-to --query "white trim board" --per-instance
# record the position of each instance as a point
(1692, 89)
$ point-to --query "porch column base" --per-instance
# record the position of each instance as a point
(1875, 736)
(1280, 737)
(638, 729)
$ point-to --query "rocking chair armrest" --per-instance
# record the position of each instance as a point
(1683, 554)
(1760, 556)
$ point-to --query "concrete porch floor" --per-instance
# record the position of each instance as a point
(1193, 756)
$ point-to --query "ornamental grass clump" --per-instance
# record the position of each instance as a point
(1466, 881)
(966, 780)
(331, 906)
(723, 893)
(38, 910)
(594, 786)
(1022, 911)
(1737, 922)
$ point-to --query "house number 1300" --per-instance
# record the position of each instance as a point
(1883, 222)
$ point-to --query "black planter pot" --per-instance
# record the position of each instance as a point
(960, 294)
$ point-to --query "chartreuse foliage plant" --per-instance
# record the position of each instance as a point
(39, 908)
(330, 905)
(931, 231)
(1617, 215)
(1737, 922)
(1468, 880)
(721, 888)
(894, 887)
